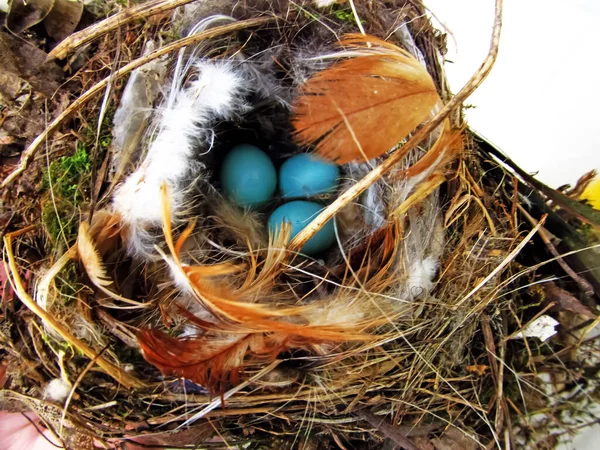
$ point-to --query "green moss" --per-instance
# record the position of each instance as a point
(66, 185)
(58, 221)
(66, 182)
(344, 13)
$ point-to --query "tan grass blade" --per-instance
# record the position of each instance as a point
(94, 267)
(114, 371)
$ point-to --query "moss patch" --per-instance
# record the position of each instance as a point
(66, 186)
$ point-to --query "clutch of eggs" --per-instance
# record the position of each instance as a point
(249, 179)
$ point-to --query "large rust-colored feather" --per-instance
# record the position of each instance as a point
(214, 361)
(365, 105)
(246, 333)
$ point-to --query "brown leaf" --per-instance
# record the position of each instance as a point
(23, 14)
(23, 62)
(63, 19)
(566, 301)
(197, 433)
(454, 439)
(363, 106)
(3, 367)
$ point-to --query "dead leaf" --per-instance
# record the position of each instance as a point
(565, 301)
(478, 369)
(10, 79)
(197, 433)
(454, 439)
(423, 443)
(28, 63)
(6, 291)
(63, 19)
(23, 14)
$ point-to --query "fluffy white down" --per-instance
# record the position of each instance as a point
(57, 390)
(215, 94)
(420, 277)
(324, 3)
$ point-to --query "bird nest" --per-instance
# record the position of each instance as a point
(148, 310)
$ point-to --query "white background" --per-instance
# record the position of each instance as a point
(540, 103)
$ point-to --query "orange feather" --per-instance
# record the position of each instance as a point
(213, 361)
(248, 333)
(365, 105)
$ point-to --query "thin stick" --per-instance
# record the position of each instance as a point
(124, 17)
(583, 284)
(512, 255)
(497, 372)
(587, 330)
(352, 193)
(387, 429)
(219, 401)
(114, 371)
(358, 22)
(524, 327)
(87, 368)
(28, 154)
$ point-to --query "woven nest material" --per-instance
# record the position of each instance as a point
(194, 327)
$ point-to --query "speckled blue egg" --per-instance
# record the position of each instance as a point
(307, 175)
(300, 214)
(248, 177)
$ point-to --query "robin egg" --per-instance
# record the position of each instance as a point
(299, 214)
(248, 177)
(304, 176)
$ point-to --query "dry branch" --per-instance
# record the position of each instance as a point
(352, 193)
(97, 88)
(124, 17)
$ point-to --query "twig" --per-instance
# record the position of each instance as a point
(219, 401)
(581, 211)
(350, 194)
(583, 284)
(74, 387)
(387, 429)
(502, 414)
(112, 23)
(512, 255)
(96, 89)
(589, 328)
(357, 19)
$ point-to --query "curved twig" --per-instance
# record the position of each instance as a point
(114, 371)
(111, 23)
(346, 197)
(99, 87)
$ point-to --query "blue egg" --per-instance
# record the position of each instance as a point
(306, 175)
(300, 214)
(248, 177)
